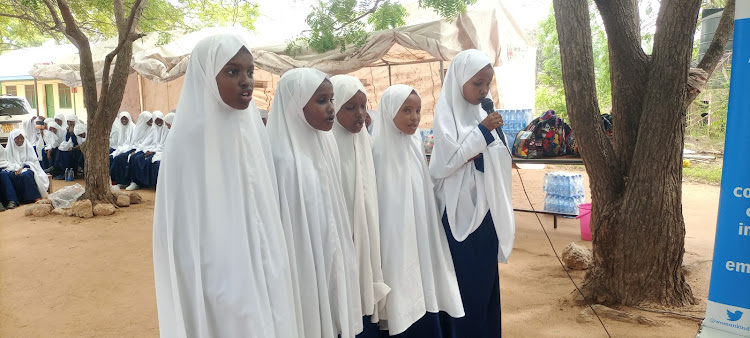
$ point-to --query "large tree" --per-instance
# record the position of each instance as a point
(636, 177)
(83, 22)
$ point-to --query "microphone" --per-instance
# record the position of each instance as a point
(489, 107)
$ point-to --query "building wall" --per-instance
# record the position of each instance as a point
(77, 105)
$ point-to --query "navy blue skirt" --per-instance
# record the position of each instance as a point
(24, 187)
(119, 169)
(431, 325)
(475, 260)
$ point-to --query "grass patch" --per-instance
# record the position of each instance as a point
(703, 172)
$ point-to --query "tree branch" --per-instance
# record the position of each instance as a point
(579, 82)
(370, 11)
(715, 51)
(125, 34)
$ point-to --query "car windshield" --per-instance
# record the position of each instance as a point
(12, 106)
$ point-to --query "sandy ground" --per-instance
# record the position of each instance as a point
(67, 277)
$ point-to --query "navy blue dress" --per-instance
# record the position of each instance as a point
(23, 185)
(475, 260)
(431, 325)
(119, 169)
(7, 191)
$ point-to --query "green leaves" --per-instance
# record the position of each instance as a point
(336, 23)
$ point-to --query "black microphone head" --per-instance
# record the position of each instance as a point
(488, 105)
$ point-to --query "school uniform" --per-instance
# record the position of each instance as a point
(32, 183)
(67, 153)
(119, 170)
(220, 259)
(80, 130)
(52, 141)
(474, 197)
(313, 212)
(360, 192)
(141, 166)
(416, 258)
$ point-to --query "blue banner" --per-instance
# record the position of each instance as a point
(728, 306)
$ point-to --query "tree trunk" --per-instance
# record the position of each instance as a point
(636, 180)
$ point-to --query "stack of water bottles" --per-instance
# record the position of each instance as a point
(514, 120)
(69, 175)
(564, 192)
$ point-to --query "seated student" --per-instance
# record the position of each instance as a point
(8, 195)
(140, 162)
(119, 166)
(23, 170)
(52, 139)
(67, 151)
(119, 136)
(313, 207)
(361, 194)
(80, 132)
(34, 136)
(417, 261)
(60, 120)
(153, 171)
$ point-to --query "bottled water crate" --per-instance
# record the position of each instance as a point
(565, 191)
(513, 121)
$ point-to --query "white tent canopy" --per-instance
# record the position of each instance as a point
(491, 31)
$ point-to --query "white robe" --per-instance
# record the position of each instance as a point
(313, 212)
(121, 136)
(220, 259)
(465, 193)
(417, 262)
(24, 155)
(361, 195)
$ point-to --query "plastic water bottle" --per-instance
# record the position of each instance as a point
(69, 176)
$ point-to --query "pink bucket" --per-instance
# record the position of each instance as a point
(584, 215)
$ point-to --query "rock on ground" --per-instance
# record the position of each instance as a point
(44, 201)
(135, 198)
(104, 209)
(83, 209)
(576, 257)
(38, 210)
(123, 200)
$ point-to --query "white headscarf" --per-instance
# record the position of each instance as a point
(313, 211)
(29, 128)
(20, 156)
(142, 129)
(464, 192)
(62, 119)
(220, 259)
(361, 195)
(169, 118)
(121, 136)
(69, 118)
(67, 144)
(53, 139)
(158, 136)
(417, 262)
(78, 130)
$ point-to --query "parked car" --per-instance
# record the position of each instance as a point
(14, 111)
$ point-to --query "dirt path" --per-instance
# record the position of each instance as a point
(62, 276)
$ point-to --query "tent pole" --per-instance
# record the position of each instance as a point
(442, 72)
(389, 75)
(36, 96)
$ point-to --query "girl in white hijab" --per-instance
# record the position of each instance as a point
(471, 167)
(360, 193)
(27, 176)
(60, 120)
(68, 152)
(80, 131)
(417, 263)
(119, 166)
(34, 135)
(54, 135)
(313, 208)
(220, 259)
(139, 167)
(121, 135)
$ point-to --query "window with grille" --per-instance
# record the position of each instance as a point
(63, 93)
(11, 90)
(30, 95)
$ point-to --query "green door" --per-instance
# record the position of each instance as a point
(49, 98)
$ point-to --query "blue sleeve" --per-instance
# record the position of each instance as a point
(487, 134)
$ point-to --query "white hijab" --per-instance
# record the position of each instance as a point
(417, 262)
(4, 158)
(169, 118)
(67, 144)
(313, 211)
(122, 135)
(78, 130)
(142, 129)
(53, 139)
(361, 195)
(220, 259)
(158, 136)
(464, 192)
(60, 117)
(20, 156)
(29, 127)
